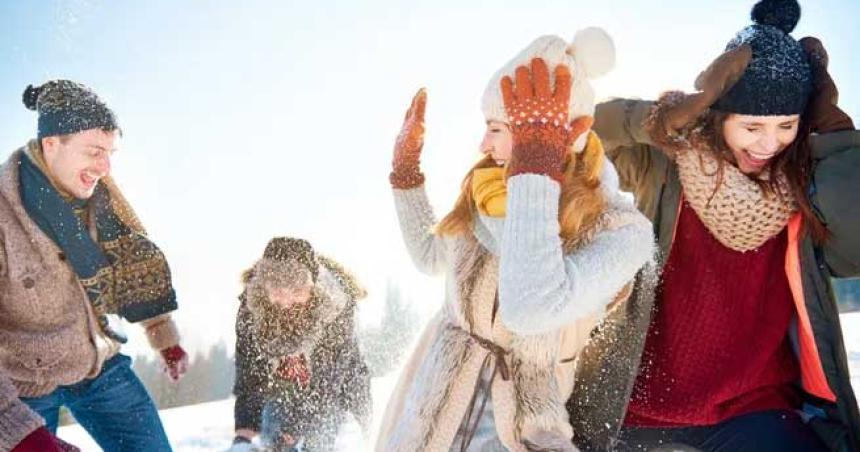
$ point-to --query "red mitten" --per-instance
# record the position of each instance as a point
(41, 440)
(295, 368)
(176, 362)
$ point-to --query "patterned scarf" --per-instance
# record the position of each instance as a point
(122, 273)
(732, 206)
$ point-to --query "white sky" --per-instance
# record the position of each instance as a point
(245, 120)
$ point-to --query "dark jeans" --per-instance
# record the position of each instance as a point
(317, 435)
(114, 408)
(775, 430)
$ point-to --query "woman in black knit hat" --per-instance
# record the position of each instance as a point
(752, 184)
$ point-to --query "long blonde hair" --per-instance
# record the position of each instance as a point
(580, 203)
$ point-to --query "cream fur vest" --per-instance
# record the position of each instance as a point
(437, 384)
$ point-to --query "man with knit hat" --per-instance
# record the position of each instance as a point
(752, 184)
(299, 370)
(74, 256)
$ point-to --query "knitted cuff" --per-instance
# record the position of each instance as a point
(406, 178)
(161, 332)
(539, 149)
(17, 421)
(655, 124)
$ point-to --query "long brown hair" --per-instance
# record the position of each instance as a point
(795, 162)
(580, 203)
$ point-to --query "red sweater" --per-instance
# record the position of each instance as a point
(718, 344)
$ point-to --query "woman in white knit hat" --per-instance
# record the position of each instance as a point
(538, 245)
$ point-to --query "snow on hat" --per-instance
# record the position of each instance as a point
(778, 79)
(67, 107)
(590, 55)
(287, 248)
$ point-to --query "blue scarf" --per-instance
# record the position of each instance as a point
(122, 273)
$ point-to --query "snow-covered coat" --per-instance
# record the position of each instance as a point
(550, 296)
(340, 380)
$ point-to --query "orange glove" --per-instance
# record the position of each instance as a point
(407, 149)
(294, 368)
(539, 119)
(824, 115)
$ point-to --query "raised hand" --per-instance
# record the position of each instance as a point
(538, 116)
(406, 165)
(712, 83)
(824, 114)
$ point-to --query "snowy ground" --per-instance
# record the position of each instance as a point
(209, 426)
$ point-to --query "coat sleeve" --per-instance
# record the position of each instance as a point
(619, 124)
(835, 195)
(355, 390)
(161, 332)
(251, 375)
(16, 419)
(540, 288)
(427, 250)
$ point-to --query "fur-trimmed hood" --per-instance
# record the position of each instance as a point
(282, 331)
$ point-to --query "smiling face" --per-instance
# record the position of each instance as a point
(498, 142)
(755, 140)
(78, 161)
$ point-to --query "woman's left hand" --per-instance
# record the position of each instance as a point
(538, 117)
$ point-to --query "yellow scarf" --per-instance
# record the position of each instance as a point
(490, 191)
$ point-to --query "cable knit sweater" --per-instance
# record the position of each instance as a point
(544, 295)
(48, 332)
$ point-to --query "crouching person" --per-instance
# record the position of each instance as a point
(298, 367)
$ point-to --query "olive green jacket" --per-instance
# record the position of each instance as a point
(609, 365)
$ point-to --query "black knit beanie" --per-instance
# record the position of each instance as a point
(66, 107)
(778, 80)
(288, 248)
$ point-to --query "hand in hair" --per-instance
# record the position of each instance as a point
(711, 84)
(823, 113)
(538, 117)
(407, 149)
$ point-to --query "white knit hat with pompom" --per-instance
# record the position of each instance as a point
(590, 55)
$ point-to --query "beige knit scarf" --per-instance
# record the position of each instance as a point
(732, 206)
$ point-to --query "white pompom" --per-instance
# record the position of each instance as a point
(594, 51)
